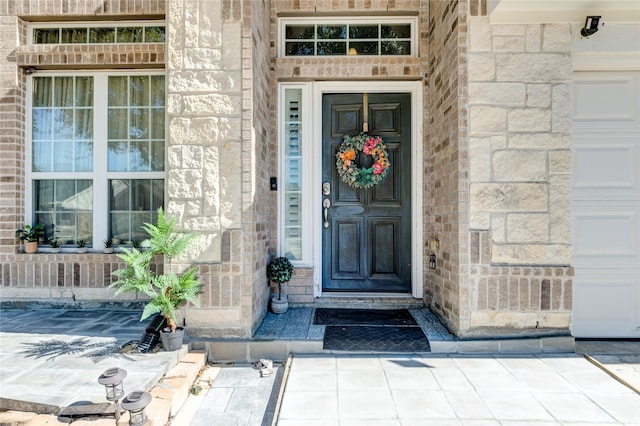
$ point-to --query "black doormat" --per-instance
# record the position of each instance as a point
(386, 317)
(375, 339)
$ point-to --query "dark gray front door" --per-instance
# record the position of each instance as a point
(367, 245)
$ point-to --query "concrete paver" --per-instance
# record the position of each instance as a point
(454, 389)
(43, 371)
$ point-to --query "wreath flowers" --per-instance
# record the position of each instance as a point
(354, 174)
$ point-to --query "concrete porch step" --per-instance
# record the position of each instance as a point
(294, 332)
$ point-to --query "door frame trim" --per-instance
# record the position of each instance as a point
(415, 89)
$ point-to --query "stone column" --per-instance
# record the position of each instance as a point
(204, 162)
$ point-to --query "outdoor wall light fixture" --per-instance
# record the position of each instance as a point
(590, 26)
(112, 381)
(135, 403)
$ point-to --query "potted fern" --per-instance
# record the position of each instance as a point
(168, 291)
(279, 271)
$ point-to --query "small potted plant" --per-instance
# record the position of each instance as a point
(108, 246)
(168, 291)
(55, 246)
(279, 271)
(81, 246)
(30, 236)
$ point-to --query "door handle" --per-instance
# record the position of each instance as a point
(326, 203)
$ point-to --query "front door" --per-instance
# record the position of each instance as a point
(366, 240)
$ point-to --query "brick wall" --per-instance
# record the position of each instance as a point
(256, 43)
(446, 151)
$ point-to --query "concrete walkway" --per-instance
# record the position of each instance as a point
(453, 390)
(52, 358)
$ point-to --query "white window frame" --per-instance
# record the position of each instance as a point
(283, 22)
(306, 129)
(89, 24)
(100, 176)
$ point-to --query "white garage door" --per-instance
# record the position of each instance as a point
(606, 204)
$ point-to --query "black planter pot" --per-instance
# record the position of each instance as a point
(172, 341)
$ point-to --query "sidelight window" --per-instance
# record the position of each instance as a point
(295, 146)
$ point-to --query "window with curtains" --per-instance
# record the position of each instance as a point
(97, 154)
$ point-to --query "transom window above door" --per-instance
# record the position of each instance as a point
(340, 37)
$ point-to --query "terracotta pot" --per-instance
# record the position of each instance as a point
(30, 247)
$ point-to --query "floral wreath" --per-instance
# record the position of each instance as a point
(353, 174)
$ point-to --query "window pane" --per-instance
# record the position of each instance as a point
(67, 205)
(83, 156)
(118, 123)
(332, 48)
(119, 194)
(134, 202)
(63, 127)
(300, 32)
(365, 48)
(139, 160)
(292, 182)
(300, 49)
(102, 35)
(396, 48)
(42, 126)
(154, 35)
(42, 157)
(332, 32)
(139, 93)
(46, 35)
(129, 35)
(74, 35)
(140, 122)
(360, 39)
(396, 31)
(157, 156)
(157, 123)
(84, 91)
(42, 93)
(118, 91)
(118, 156)
(363, 31)
(63, 92)
(61, 123)
(157, 90)
(84, 124)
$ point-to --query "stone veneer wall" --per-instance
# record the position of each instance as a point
(300, 288)
(446, 152)
(219, 132)
(519, 105)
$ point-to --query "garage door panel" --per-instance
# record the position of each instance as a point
(606, 170)
(606, 235)
(606, 305)
(603, 98)
(605, 204)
